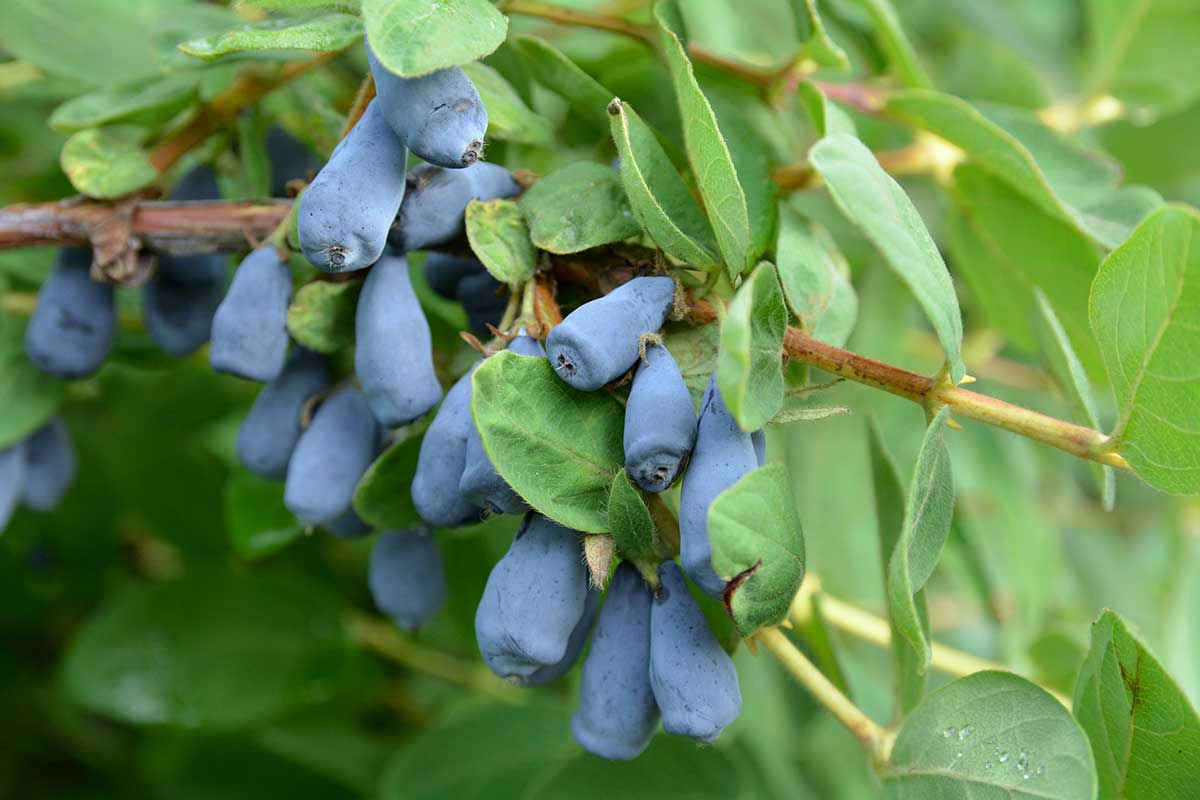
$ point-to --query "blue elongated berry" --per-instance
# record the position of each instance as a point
(598, 342)
(479, 297)
(440, 462)
(534, 598)
(290, 159)
(552, 672)
(393, 352)
(433, 207)
(200, 269)
(694, 681)
(759, 440)
(439, 116)
(407, 578)
(481, 484)
(71, 330)
(330, 458)
(249, 330)
(345, 214)
(444, 272)
(179, 315)
(617, 713)
(12, 480)
(269, 433)
(660, 422)
(348, 526)
(50, 466)
(722, 455)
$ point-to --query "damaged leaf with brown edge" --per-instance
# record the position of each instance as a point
(758, 546)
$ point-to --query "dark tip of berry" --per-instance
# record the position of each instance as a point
(564, 364)
(660, 474)
(471, 155)
(337, 257)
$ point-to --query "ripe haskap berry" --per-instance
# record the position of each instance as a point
(695, 683)
(660, 422)
(440, 462)
(534, 598)
(617, 713)
(439, 116)
(71, 330)
(393, 354)
(444, 272)
(722, 455)
(50, 466)
(480, 298)
(598, 342)
(480, 483)
(579, 637)
(179, 314)
(249, 330)
(330, 458)
(344, 215)
(407, 579)
(269, 433)
(436, 198)
(12, 480)
(289, 158)
(348, 526)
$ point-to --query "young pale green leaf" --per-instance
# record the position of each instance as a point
(28, 396)
(787, 416)
(321, 316)
(293, 4)
(557, 447)
(908, 666)
(1145, 311)
(878, 205)
(827, 116)
(816, 43)
(991, 734)
(707, 150)
(107, 162)
(147, 102)
(1068, 372)
(758, 546)
(629, 520)
(256, 520)
(1145, 734)
(577, 207)
(927, 516)
(499, 239)
(416, 37)
(658, 196)
(1141, 53)
(815, 279)
(742, 120)
(694, 348)
(383, 498)
(508, 116)
(893, 41)
(749, 365)
(326, 33)
(550, 67)
(213, 650)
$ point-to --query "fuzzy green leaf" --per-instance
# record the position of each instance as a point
(815, 279)
(508, 116)
(416, 37)
(141, 102)
(749, 366)
(321, 316)
(629, 520)
(499, 239)
(255, 517)
(107, 162)
(579, 206)
(327, 33)
(552, 68)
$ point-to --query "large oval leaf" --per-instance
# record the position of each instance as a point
(579, 206)
(749, 365)
(326, 33)
(416, 37)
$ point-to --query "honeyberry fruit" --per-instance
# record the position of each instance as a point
(441, 460)
(660, 421)
(407, 578)
(436, 199)
(269, 432)
(50, 466)
(330, 458)
(249, 330)
(71, 330)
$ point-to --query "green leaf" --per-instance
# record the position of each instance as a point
(579, 206)
(827, 116)
(146, 102)
(1145, 311)
(557, 447)
(498, 236)
(291, 4)
(383, 498)
(213, 650)
(552, 68)
(816, 42)
(629, 520)
(28, 396)
(908, 666)
(991, 734)
(891, 39)
(659, 198)
(749, 366)
(878, 205)
(788, 416)
(815, 279)
(416, 37)
(1068, 372)
(927, 516)
(107, 162)
(321, 316)
(743, 121)
(707, 151)
(256, 520)
(508, 116)
(758, 546)
(1145, 734)
(338, 751)
(1142, 54)
(326, 33)
(694, 348)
